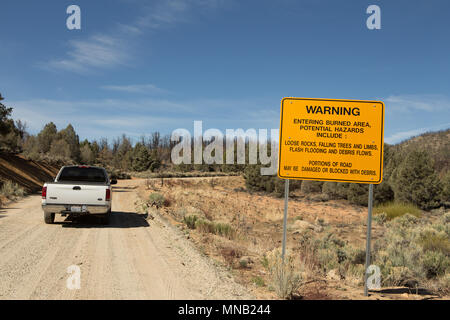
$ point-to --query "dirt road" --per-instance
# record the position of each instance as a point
(133, 257)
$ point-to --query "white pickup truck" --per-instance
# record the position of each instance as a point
(78, 190)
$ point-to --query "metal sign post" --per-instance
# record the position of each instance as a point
(286, 197)
(369, 228)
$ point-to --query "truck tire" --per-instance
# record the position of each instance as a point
(49, 217)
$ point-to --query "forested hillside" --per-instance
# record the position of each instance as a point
(415, 171)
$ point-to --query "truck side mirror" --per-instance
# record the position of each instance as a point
(113, 181)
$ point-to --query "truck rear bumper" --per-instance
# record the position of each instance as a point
(66, 208)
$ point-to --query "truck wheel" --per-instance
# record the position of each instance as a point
(49, 217)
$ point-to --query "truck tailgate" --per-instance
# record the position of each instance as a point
(76, 194)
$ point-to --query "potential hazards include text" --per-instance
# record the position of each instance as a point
(332, 140)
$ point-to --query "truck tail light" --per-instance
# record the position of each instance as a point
(44, 192)
(108, 195)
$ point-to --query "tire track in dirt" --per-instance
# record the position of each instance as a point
(52, 272)
(198, 273)
(78, 258)
(148, 260)
(18, 261)
(82, 256)
(12, 227)
(127, 275)
(97, 281)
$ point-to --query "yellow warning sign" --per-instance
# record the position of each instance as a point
(331, 140)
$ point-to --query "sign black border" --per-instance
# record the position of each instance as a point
(336, 180)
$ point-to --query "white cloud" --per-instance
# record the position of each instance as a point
(98, 51)
(403, 135)
(112, 49)
(135, 88)
(129, 29)
(111, 117)
(102, 118)
(418, 102)
(168, 12)
(415, 111)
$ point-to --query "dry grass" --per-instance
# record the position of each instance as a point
(176, 174)
(285, 276)
(396, 209)
(11, 190)
(230, 225)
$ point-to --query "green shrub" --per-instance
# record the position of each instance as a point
(435, 263)
(190, 221)
(416, 181)
(141, 206)
(254, 181)
(265, 262)
(328, 259)
(285, 280)
(399, 253)
(326, 253)
(357, 256)
(332, 253)
(435, 241)
(12, 190)
(404, 223)
(204, 226)
(445, 219)
(141, 158)
(118, 174)
(359, 193)
(258, 281)
(397, 276)
(445, 196)
(279, 184)
(381, 218)
(219, 228)
(243, 264)
(156, 199)
(335, 190)
(309, 186)
(396, 209)
(223, 229)
(383, 193)
(442, 284)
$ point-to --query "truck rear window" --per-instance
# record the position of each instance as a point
(82, 174)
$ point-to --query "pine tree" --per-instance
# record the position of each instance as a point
(446, 188)
(141, 158)
(46, 137)
(86, 154)
(9, 134)
(71, 138)
(416, 181)
(5, 112)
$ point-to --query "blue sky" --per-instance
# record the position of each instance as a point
(140, 66)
